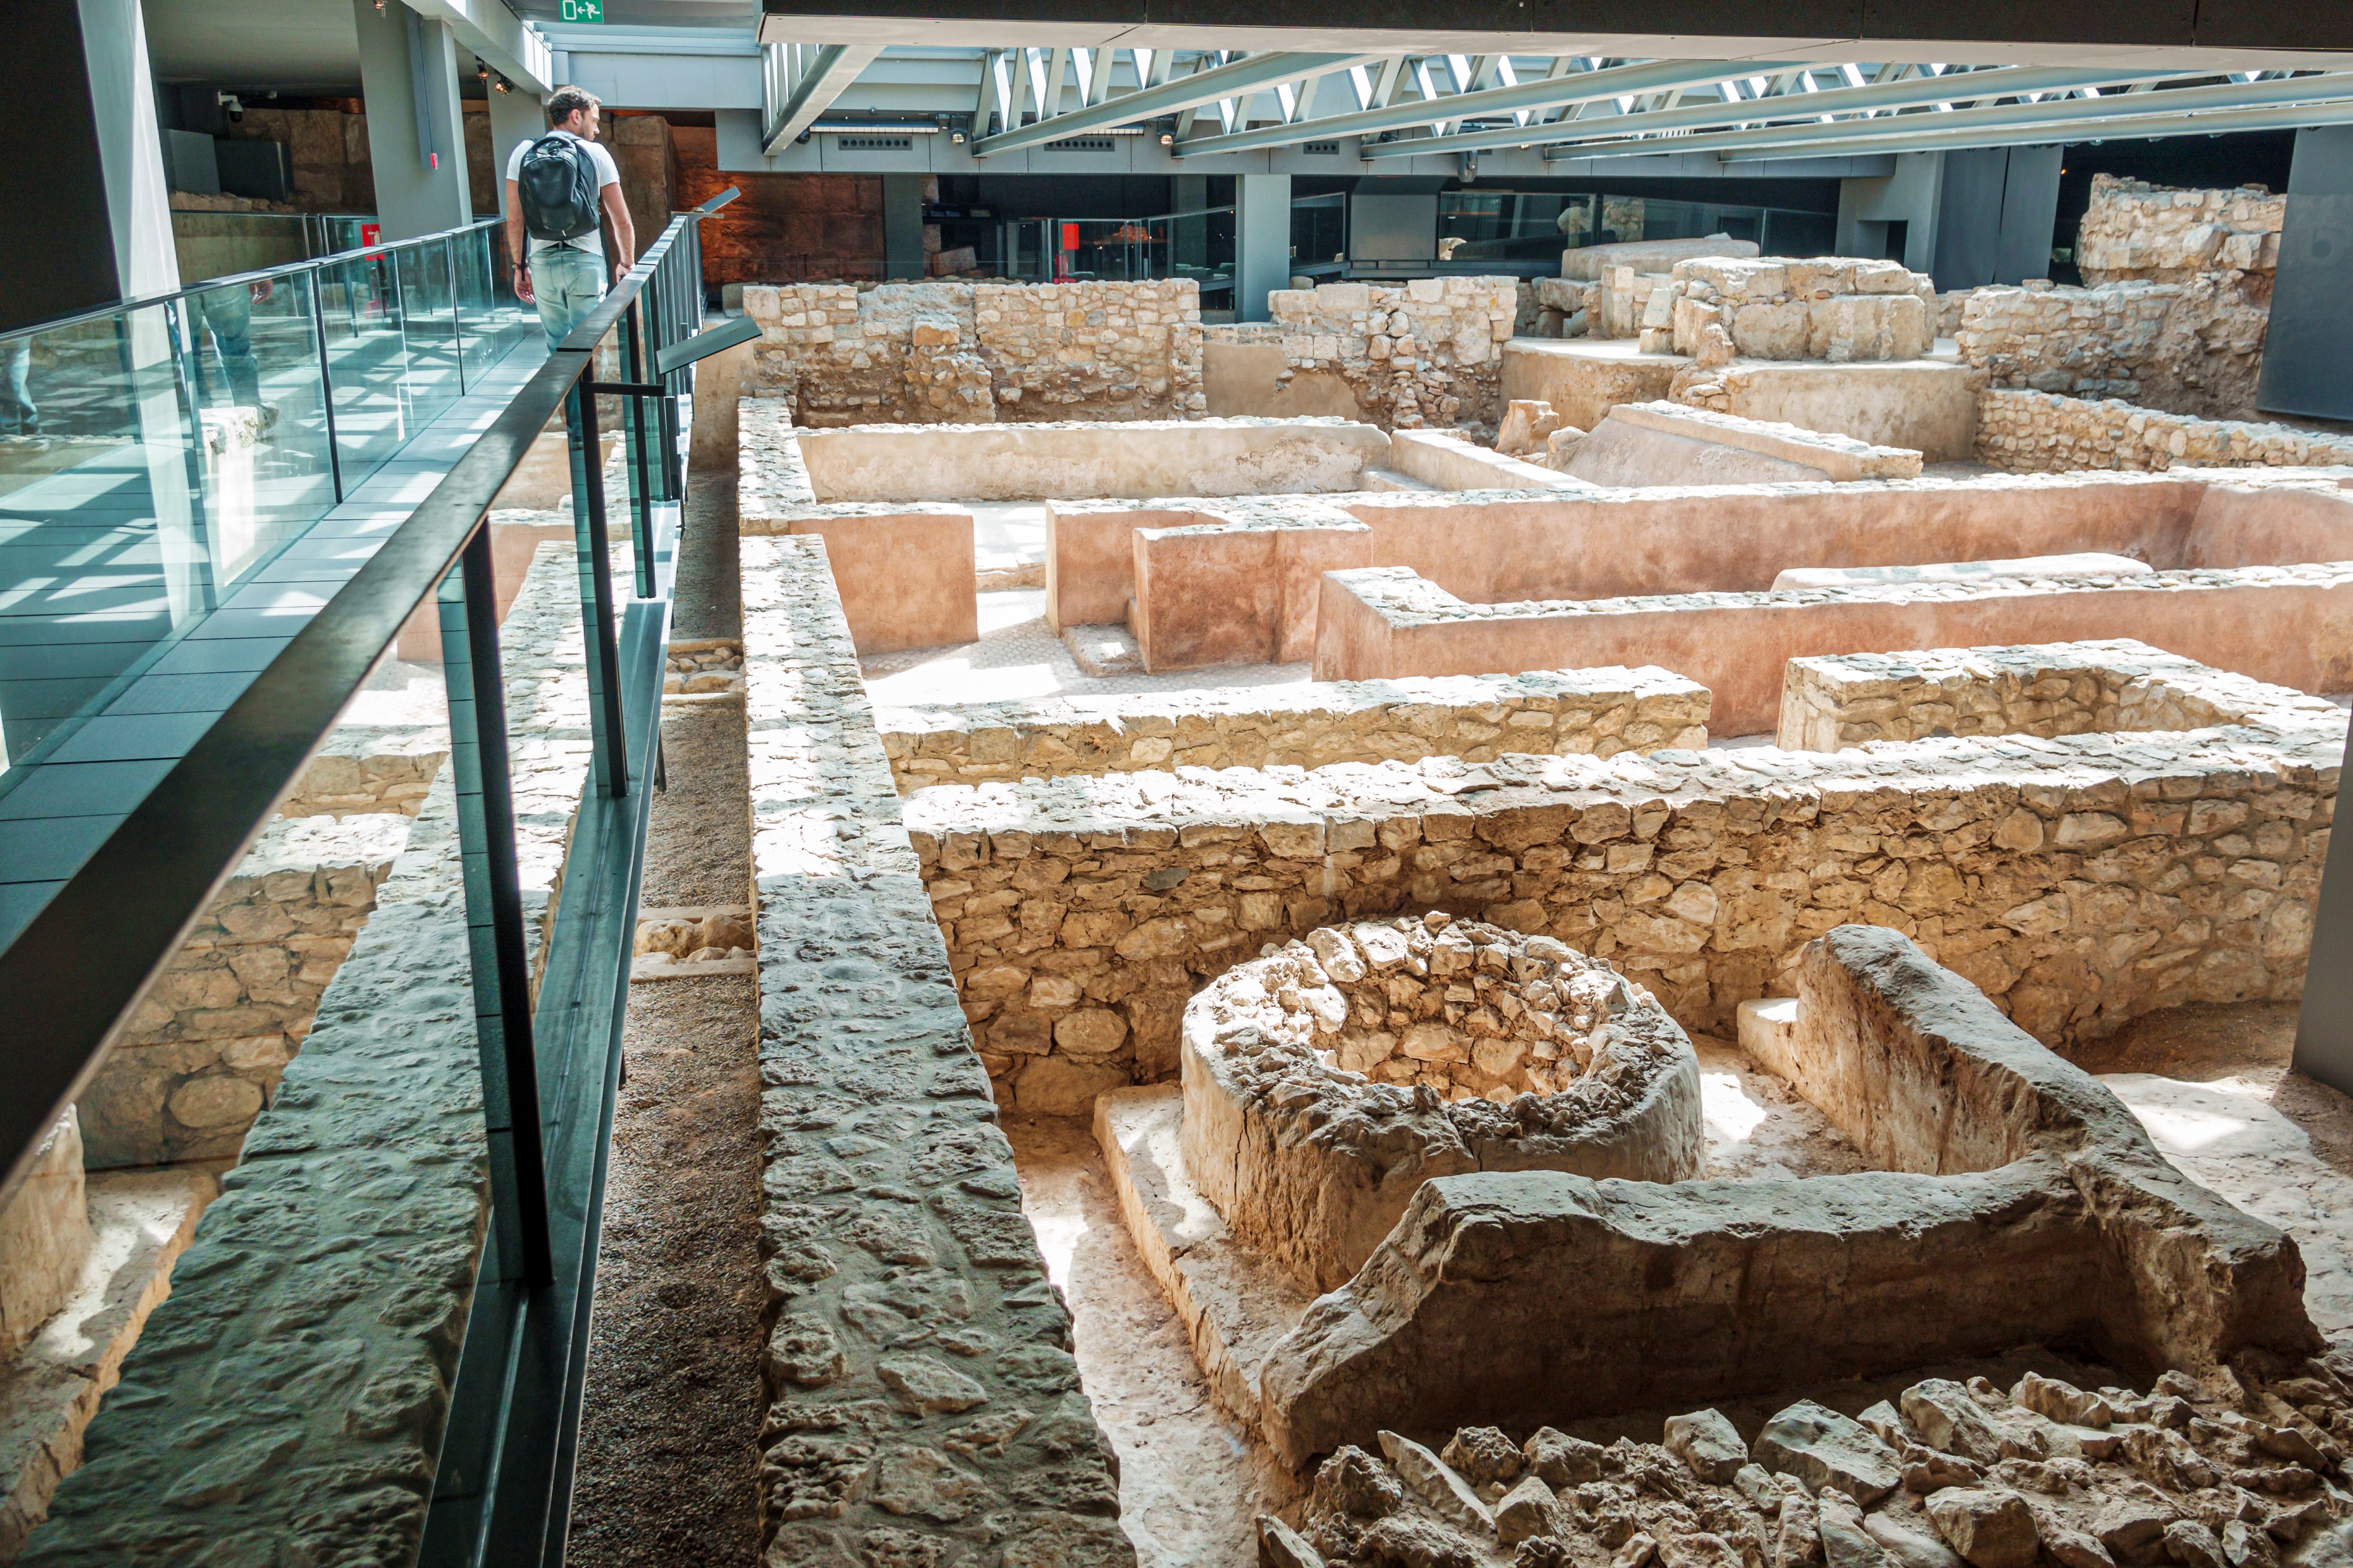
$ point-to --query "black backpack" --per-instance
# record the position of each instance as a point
(557, 182)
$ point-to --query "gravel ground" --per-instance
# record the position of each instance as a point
(669, 1458)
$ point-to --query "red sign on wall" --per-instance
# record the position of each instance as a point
(1069, 236)
(371, 234)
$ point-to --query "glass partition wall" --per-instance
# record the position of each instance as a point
(156, 456)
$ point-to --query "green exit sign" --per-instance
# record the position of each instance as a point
(584, 10)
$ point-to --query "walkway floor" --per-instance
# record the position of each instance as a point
(68, 793)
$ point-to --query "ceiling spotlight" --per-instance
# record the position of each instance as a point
(956, 137)
(1168, 140)
(500, 84)
(481, 72)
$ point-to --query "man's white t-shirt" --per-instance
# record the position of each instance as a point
(608, 174)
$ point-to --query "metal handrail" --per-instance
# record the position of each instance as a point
(504, 1483)
(271, 274)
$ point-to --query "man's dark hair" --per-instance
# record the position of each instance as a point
(568, 102)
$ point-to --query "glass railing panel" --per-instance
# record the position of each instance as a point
(104, 515)
(431, 379)
(490, 319)
(253, 356)
(219, 245)
(367, 360)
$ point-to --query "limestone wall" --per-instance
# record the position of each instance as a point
(2052, 688)
(2132, 229)
(978, 352)
(2080, 880)
(1399, 356)
(2048, 431)
(204, 1048)
(1782, 308)
(368, 769)
(2282, 624)
(922, 1404)
(1596, 711)
(1674, 443)
(2193, 346)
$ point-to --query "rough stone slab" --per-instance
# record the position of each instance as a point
(1233, 1303)
(922, 1391)
(2084, 563)
(139, 1224)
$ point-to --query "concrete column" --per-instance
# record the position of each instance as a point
(515, 117)
(2304, 355)
(89, 218)
(417, 137)
(1869, 210)
(902, 225)
(1995, 213)
(1261, 242)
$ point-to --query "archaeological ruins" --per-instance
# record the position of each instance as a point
(1487, 921)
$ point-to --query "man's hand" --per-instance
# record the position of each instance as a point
(621, 266)
(522, 284)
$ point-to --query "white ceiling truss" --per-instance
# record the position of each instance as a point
(1209, 102)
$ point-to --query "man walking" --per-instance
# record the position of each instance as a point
(556, 186)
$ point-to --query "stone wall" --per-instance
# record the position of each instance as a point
(2132, 229)
(924, 1406)
(2048, 431)
(978, 352)
(2047, 690)
(2192, 347)
(204, 1048)
(1596, 711)
(1412, 355)
(2080, 880)
(369, 769)
(1781, 307)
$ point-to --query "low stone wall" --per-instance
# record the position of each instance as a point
(2281, 623)
(44, 1237)
(1782, 308)
(2193, 347)
(2136, 230)
(1672, 444)
(1600, 712)
(2080, 882)
(1404, 356)
(204, 1048)
(2045, 432)
(922, 1402)
(1085, 462)
(2023, 1205)
(2051, 689)
(978, 352)
(341, 1252)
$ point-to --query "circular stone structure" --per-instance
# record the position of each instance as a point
(1329, 1079)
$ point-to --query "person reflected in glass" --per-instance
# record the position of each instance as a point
(18, 414)
(227, 316)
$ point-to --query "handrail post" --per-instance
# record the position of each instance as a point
(326, 385)
(641, 500)
(611, 767)
(494, 933)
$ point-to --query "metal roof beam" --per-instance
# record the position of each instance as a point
(1238, 78)
(1550, 92)
(2054, 117)
(2140, 127)
(835, 67)
(1912, 93)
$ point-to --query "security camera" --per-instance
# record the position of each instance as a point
(230, 106)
